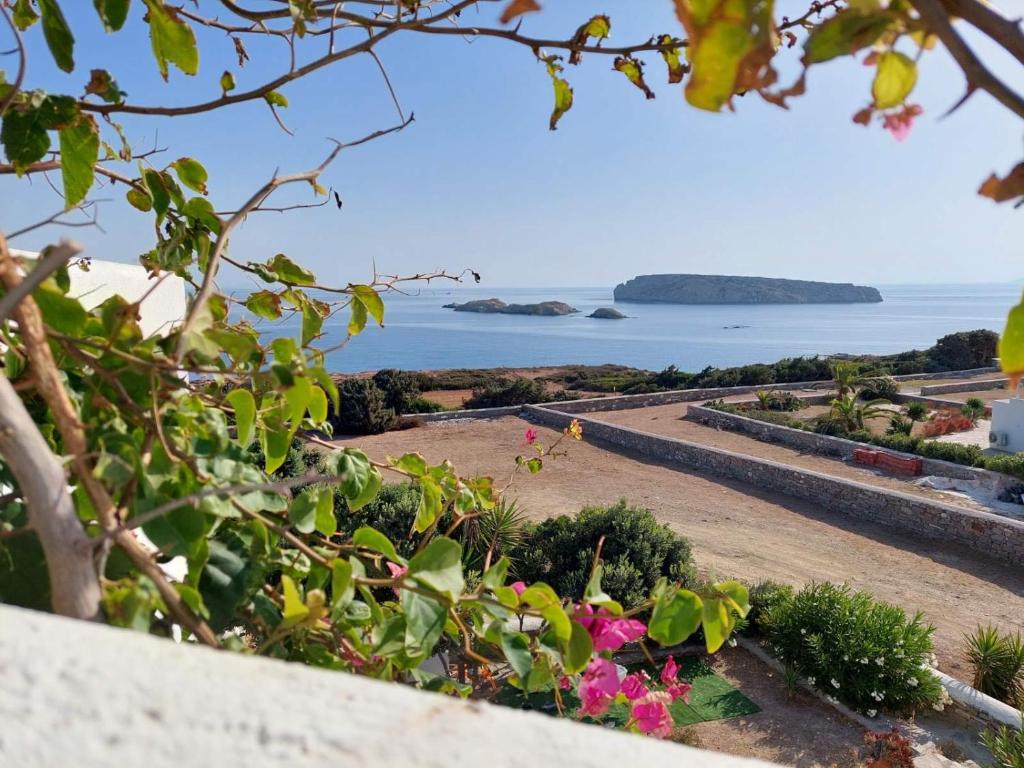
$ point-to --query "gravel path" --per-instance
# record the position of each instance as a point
(738, 530)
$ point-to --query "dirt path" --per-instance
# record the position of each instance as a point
(738, 530)
(667, 420)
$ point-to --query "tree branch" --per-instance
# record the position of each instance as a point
(52, 259)
(1006, 32)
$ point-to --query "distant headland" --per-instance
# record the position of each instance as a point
(499, 307)
(727, 289)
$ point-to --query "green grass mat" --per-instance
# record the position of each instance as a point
(711, 698)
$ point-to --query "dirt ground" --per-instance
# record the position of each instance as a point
(667, 420)
(795, 729)
(738, 530)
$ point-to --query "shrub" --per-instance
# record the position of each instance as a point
(875, 387)
(863, 652)
(500, 530)
(364, 409)
(764, 596)
(779, 401)
(423, 405)
(917, 411)
(960, 351)
(637, 551)
(998, 662)
(897, 442)
(888, 748)
(899, 426)
(1006, 745)
(1009, 465)
(974, 409)
(391, 512)
(505, 392)
(969, 455)
(398, 387)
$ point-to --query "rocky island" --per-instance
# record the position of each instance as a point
(499, 307)
(607, 313)
(727, 289)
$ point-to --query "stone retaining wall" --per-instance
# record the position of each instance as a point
(469, 413)
(828, 445)
(991, 535)
(964, 386)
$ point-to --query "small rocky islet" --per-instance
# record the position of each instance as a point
(499, 307)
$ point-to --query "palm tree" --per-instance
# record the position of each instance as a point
(899, 426)
(764, 399)
(852, 415)
(917, 411)
(846, 375)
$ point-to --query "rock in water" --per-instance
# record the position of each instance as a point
(499, 307)
(607, 313)
(725, 289)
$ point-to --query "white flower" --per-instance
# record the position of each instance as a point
(803, 631)
(871, 712)
(810, 680)
(835, 683)
(864, 660)
(880, 660)
(830, 700)
(899, 642)
(912, 682)
(732, 642)
(845, 657)
(899, 654)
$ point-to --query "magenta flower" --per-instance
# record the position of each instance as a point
(670, 671)
(531, 436)
(607, 632)
(397, 571)
(900, 123)
(518, 587)
(564, 683)
(633, 686)
(651, 716)
(680, 691)
(599, 686)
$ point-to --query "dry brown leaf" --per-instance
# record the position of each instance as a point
(517, 8)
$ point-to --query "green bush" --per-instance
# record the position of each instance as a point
(865, 653)
(917, 411)
(963, 350)
(364, 409)
(899, 426)
(973, 408)
(1006, 745)
(422, 405)
(1012, 464)
(897, 442)
(873, 388)
(507, 392)
(764, 596)
(399, 388)
(637, 551)
(998, 662)
(392, 512)
(969, 455)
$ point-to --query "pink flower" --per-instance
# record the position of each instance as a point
(518, 587)
(670, 671)
(607, 632)
(650, 714)
(564, 683)
(633, 685)
(900, 123)
(599, 686)
(531, 436)
(680, 691)
(397, 571)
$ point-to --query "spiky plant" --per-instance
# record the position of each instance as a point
(496, 531)
(998, 662)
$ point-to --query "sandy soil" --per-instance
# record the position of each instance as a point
(667, 420)
(738, 530)
(795, 729)
(449, 398)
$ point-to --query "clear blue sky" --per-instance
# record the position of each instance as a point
(624, 186)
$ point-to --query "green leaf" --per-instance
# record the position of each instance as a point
(227, 82)
(633, 69)
(172, 39)
(371, 300)
(326, 523)
(59, 312)
(318, 405)
(675, 617)
(177, 531)
(424, 623)
(535, 465)
(343, 588)
(563, 91)
(265, 304)
(843, 35)
(103, 85)
(303, 511)
(411, 463)
(374, 540)
(112, 13)
(158, 191)
(516, 647)
(201, 209)
(439, 567)
(580, 649)
(595, 595)
(294, 609)
(24, 14)
(290, 272)
(673, 60)
(543, 598)
(139, 200)
(275, 99)
(58, 36)
(358, 321)
(79, 150)
(361, 480)
(297, 396)
(24, 132)
(495, 576)
(191, 173)
(430, 506)
(894, 79)
(1011, 345)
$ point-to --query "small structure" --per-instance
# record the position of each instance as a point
(1007, 433)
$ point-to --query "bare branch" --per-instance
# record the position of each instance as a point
(22, 64)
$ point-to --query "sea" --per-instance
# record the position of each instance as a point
(418, 334)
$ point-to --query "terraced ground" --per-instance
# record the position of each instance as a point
(739, 530)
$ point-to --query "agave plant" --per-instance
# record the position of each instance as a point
(998, 662)
(917, 411)
(973, 409)
(899, 426)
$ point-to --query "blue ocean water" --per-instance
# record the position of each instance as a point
(420, 335)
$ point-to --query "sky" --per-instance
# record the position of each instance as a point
(625, 186)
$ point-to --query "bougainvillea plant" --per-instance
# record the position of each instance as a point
(106, 431)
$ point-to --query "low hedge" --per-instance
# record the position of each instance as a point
(863, 652)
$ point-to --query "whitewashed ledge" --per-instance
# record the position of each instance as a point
(91, 696)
